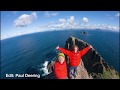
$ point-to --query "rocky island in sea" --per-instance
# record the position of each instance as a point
(93, 66)
(83, 32)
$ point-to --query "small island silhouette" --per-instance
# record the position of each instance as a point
(83, 32)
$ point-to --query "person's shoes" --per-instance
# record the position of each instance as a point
(74, 76)
(70, 76)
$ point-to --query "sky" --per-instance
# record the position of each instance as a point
(15, 23)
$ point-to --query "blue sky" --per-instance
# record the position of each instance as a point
(15, 23)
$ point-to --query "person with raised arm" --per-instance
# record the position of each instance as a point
(74, 57)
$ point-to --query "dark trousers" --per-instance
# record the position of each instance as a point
(74, 69)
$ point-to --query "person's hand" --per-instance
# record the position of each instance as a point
(57, 47)
(91, 46)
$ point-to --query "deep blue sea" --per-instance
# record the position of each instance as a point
(26, 53)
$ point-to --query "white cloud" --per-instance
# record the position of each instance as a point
(70, 23)
(71, 19)
(117, 15)
(63, 23)
(85, 19)
(62, 20)
(34, 15)
(67, 23)
(25, 19)
(102, 27)
(50, 14)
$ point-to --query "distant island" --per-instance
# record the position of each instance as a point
(83, 32)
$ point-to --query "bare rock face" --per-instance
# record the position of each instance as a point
(92, 65)
(50, 66)
(82, 73)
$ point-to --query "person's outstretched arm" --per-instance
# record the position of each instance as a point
(85, 50)
(67, 52)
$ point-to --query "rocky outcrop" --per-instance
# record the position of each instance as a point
(82, 72)
(83, 32)
(92, 66)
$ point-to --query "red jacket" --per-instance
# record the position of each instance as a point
(74, 58)
(60, 70)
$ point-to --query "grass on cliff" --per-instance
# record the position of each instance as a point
(109, 74)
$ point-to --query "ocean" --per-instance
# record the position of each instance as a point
(27, 53)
